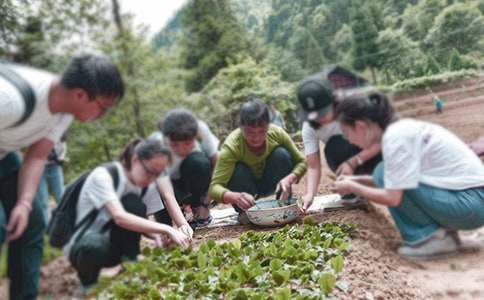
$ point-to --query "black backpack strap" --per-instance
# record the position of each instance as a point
(24, 88)
(88, 220)
(113, 171)
(92, 215)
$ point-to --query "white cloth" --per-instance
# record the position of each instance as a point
(420, 152)
(312, 137)
(205, 141)
(41, 123)
(98, 190)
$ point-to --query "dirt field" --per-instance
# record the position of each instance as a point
(372, 269)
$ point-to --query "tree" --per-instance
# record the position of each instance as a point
(365, 44)
(399, 57)
(285, 63)
(343, 44)
(432, 66)
(306, 48)
(459, 26)
(459, 62)
(44, 33)
(219, 101)
(418, 19)
(212, 37)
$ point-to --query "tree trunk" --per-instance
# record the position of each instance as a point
(373, 75)
(136, 105)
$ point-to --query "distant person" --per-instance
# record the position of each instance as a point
(53, 178)
(276, 117)
(37, 107)
(194, 149)
(113, 235)
(255, 159)
(439, 104)
(319, 106)
(430, 180)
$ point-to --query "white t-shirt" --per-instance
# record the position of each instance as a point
(205, 141)
(312, 137)
(420, 152)
(41, 123)
(98, 190)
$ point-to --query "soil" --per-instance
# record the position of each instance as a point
(372, 270)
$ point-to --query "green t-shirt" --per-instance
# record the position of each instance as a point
(235, 150)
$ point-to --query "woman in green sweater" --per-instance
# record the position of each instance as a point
(255, 159)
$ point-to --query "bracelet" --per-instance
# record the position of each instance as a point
(25, 204)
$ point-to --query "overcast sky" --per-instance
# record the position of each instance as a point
(154, 13)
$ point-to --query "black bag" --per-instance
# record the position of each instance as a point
(62, 223)
(24, 88)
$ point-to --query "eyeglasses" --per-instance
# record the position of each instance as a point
(151, 173)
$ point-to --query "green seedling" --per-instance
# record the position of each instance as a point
(296, 262)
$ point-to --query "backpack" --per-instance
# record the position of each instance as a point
(62, 225)
(25, 90)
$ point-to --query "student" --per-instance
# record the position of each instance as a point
(254, 160)
(194, 149)
(53, 178)
(430, 180)
(37, 108)
(115, 233)
(319, 105)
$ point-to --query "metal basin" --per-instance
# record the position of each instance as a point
(270, 213)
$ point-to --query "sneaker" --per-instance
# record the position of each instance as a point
(439, 245)
(85, 290)
(467, 244)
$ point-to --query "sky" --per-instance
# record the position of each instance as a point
(154, 13)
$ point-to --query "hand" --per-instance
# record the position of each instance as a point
(285, 185)
(187, 230)
(19, 219)
(344, 186)
(179, 238)
(307, 201)
(158, 241)
(243, 200)
(344, 169)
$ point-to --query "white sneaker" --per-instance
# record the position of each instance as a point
(439, 245)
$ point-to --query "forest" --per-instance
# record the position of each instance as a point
(214, 54)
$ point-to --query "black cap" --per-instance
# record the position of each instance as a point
(315, 96)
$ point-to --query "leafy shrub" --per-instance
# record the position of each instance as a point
(428, 81)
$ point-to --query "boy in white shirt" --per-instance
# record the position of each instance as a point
(36, 108)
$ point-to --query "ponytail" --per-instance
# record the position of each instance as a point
(374, 107)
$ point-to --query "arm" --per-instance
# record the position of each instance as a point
(166, 191)
(221, 176)
(30, 174)
(134, 223)
(386, 197)
(300, 165)
(349, 166)
(312, 180)
(213, 161)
